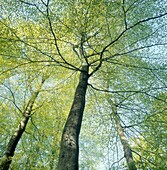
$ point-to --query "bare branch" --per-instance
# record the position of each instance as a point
(13, 100)
(124, 12)
(131, 27)
(34, 5)
(55, 38)
(143, 91)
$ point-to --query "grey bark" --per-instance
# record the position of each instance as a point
(69, 149)
(126, 147)
(6, 160)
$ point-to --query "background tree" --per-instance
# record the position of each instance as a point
(11, 146)
(152, 146)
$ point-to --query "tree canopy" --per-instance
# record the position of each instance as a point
(83, 84)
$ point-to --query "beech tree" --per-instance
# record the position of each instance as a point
(121, 43)
(7, 159)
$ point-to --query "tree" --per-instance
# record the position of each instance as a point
(7, 158)
(72, 127)
(20, 96)
(152, 146)
(126, 147)
(85, 37)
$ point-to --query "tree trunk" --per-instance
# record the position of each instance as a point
(7, 158)
(69, 149)
(124, 141)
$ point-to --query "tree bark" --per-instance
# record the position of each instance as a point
(6, 160)
(126, 147)
(69, 149)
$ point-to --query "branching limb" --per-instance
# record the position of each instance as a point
(131, 27)
(34, 5)
(143, 91)
(13, 100)
(124, 13)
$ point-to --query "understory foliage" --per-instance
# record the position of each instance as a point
(122, 43)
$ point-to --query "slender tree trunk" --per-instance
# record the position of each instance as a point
(7, 158)
(69, 149)
(124, 141)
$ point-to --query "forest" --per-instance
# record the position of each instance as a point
(83, 84)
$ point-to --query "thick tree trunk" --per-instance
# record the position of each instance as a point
(124, 141)
(7, 158)
(69, 149)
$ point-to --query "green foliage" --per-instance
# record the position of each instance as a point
(125, 48)
(151, 148)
